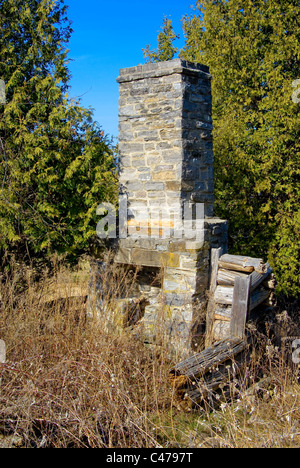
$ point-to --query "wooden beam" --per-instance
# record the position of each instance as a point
(259, 296)
(215, 255)
(224, 295)
(256, 264)
(240, 306)
(224, 311)
(234, 267)
(199, 364)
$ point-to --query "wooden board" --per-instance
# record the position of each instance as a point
(195, 378)
(238, 285)
(240, 306)
(224, 295)
(199, 364)
(245, 262)
(215, 255)
(223, 311)
(227, 277)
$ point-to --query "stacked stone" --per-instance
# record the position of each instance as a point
(165, 139)
(166, 162)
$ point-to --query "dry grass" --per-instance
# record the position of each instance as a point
(69, 381)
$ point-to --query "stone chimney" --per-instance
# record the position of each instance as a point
(167, 175)
(165, 124)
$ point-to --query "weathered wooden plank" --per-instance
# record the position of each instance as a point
(224, 295)
(240, 307)
(199, 364)
(215, 255)
(257, 263)
(234, 267)
(227, 277)
(245, 262)
(196, 377)
(216, 378)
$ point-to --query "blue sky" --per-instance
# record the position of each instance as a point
(109, 35)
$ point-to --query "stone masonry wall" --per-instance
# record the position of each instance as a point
(166, 162)
(165, 139)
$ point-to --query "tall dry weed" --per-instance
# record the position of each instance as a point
(71, 381)
(66, 381)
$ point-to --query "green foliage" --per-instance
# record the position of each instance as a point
(253, 51)
(56, 164)
(166, 50)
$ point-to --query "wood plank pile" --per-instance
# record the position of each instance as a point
(198, 378)
(239, 285)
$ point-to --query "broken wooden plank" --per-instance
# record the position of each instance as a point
(201, 392)
(223, 318)
(227, 277)
(200, 363)
(195, 378)
(240, 307)
(218, 378)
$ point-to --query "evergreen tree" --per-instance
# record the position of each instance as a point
(166, 50)
(253, 51)
(56, 164)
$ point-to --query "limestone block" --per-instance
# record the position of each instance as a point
(177, 299)
(146, 257)
(123, 256)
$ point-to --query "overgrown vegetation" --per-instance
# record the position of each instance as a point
(56, 164)
(252, 49)
(69, 382)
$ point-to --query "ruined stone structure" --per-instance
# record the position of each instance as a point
(167, 171)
